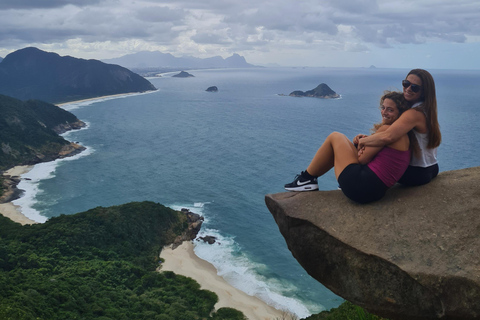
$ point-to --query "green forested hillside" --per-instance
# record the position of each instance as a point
(27, 133)
(31, 73)
(99, 264)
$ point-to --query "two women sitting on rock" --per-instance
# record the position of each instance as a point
(365, 172)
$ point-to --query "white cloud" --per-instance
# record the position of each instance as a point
(260, 30)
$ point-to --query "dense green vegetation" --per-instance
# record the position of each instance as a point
(26, 131)
(2, 189)
(346, 311)
(99, 264)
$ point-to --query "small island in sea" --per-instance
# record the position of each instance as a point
(322, 91)
(212, 89)
(183, 74)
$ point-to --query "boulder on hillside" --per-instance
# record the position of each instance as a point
(413, 255)
(321, 91)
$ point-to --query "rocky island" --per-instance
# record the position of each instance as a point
(322, 91)
(183, 74)
(212, 89)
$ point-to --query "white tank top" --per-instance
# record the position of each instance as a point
(426, 157)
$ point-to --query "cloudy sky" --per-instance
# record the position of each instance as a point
(333, 33)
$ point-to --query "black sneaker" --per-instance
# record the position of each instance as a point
(302, 184)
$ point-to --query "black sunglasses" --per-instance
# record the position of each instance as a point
(415, 87)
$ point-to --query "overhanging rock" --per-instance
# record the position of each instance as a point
(413, 255)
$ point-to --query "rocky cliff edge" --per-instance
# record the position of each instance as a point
(413, 255)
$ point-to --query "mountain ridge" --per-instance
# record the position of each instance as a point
(158, 59)
(31, 73)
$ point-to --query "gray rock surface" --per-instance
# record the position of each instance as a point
(413, 255)
(195, 222)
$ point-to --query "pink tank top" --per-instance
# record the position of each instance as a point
(390, 164)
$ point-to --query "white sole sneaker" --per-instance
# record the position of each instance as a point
(308, 187)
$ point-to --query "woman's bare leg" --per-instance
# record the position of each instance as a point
(337, 151)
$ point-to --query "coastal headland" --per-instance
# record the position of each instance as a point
(181, 261)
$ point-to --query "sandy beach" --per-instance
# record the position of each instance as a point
(10, 210)
(98, 98)
(183, 261)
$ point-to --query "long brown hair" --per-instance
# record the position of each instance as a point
(429, 106)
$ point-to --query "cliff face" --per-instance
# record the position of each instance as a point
(413, 255)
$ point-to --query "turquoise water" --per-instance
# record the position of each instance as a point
(220, 153)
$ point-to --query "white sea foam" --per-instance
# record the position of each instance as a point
(30, 181)
(240, 271)
(197, 208)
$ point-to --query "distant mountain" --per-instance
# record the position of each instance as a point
(157, 59)
(29, 132)
(30, 73)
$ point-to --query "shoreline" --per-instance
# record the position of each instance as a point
(113, 96)
(8, 209)
(183, 261)
(14, 212)
(93, 99)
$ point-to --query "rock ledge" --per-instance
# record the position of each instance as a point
(413, 255)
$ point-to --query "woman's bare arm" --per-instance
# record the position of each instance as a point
(407, 121)
(366, 153)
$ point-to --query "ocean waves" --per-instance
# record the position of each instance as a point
(235, 266)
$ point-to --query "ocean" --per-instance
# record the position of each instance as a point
(219, 154)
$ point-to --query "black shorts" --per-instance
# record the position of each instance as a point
(361, 184)
(416, 176)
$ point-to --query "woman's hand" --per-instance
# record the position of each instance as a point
(360, 152)
(357, 138)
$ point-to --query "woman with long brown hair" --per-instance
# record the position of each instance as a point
(422, 119)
